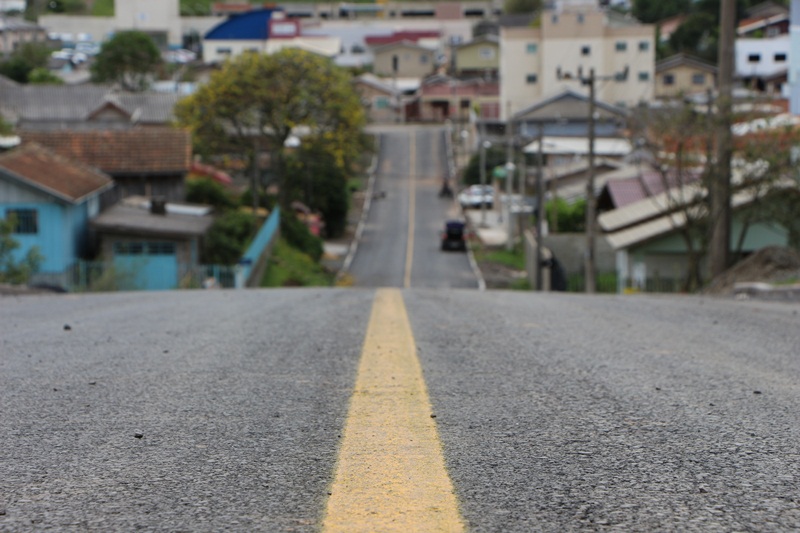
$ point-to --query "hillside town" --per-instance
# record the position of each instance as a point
(573, 103)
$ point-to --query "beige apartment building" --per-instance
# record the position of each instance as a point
(557, 52)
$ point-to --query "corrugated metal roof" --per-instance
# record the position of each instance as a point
(250, 26)
(64, 104)
(127, 219)
(662, 225)
(580, 146)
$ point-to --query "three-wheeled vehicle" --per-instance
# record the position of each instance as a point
(454, 236)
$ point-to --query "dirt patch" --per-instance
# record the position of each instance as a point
(773, 264)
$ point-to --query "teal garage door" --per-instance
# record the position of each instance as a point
(149, 266)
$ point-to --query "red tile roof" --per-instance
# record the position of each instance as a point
(119, 152)
(400, 36)
(40, 168)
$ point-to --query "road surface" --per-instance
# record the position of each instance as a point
(400, 245)
(252, 410)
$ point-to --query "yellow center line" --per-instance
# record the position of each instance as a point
(390, 474)
(412, 206)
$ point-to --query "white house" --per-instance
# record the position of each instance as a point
(764, 63)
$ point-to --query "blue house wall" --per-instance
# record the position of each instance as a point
(56, 237)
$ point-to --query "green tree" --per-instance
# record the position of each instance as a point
(511, 7)
(318, 182)
(130, 58)
(12, 270)
(254, 103)
(66, 6)
(5, 127)
(495, 156)
(649, 11)
(227, 239)
(209, 192)
(24, 60)
(42, 76)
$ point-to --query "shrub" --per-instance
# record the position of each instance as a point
(228, 238)
(297, 235)
(209, 192)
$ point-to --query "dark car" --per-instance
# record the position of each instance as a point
(454, 236)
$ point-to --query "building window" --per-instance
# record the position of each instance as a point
(531, 78)
(586, 50)
(780, 57)
(580, 18)
(644, 46)
(531, 48)
(669, 79)
(644, 76)
(382, 102)
(161, 248)
(144, 248)
(698, 79)
(621, 46)
(225, 51)
(753, 58)
(555, 19)
(26, 221)
(423, 59)
(486, 52)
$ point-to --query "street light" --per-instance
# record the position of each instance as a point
(485, 145)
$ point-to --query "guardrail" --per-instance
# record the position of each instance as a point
(254, 261)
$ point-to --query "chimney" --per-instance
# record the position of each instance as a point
(158, 205)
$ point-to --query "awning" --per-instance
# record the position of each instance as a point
(580, 146)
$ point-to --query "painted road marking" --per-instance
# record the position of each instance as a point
(390, 474)
(412, 207)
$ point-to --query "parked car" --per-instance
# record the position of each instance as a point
(454, 235)
(476, 196)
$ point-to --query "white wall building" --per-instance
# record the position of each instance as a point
(156, 17)
(762, 57)
(538, 61)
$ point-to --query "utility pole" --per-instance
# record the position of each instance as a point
(539, 208)
(591, 201)
(720, 187)
(482, 169)
(509, 177)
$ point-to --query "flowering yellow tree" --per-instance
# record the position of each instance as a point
(255, 102)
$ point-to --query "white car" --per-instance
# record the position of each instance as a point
(476, 196)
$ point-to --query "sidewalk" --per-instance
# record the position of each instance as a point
(490, 228)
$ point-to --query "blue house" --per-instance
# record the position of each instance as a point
(52, 199)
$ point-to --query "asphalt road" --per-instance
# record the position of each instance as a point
(223, 410)
(400, 244)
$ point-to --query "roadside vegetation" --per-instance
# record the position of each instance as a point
(12, 270)
(290, 267)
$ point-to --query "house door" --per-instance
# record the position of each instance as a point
(150, 266)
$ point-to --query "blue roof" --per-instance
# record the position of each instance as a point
(250, 26)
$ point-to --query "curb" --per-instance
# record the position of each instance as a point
(364, 213)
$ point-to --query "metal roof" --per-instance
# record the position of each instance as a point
(56, 105)
(663, 225)
(580, 146)
(131, 219)
(249, 26)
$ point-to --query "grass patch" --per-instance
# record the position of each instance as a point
(103, 8)
(289, 267)
(510, 258)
